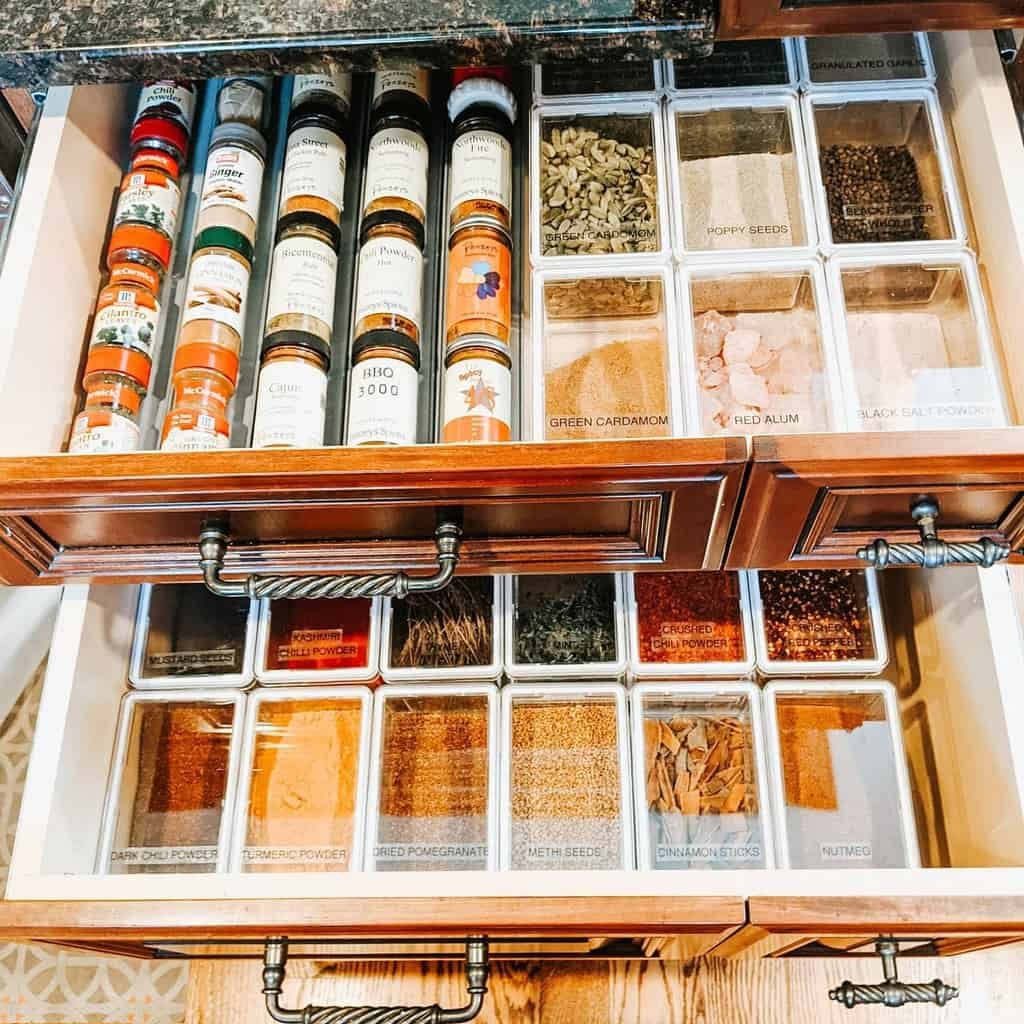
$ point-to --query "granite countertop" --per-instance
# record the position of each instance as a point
(70, 41)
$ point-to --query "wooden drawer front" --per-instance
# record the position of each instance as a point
(813, 502)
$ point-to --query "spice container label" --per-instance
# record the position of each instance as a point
(481, 170)
(314, 165)
(217, 289)
(338, 83)
(383, 396)
(303, 280)
(479, 286)
(127, 322)
(291, 405)
(389, 288)
(396, 167)
(318, 636)
(592, 80)
(234, 177)
(201, 436)
(98, 432)
(168, 99)
(149, 197)
(477, 401)
(410, 79)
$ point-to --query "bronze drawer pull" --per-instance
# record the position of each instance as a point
(933, 552)
(213, 546)
(892, 992)
(275, 954)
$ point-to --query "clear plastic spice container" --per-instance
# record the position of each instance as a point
(313, 180)
(735, 64)
(689, 624)
(479, 280)
(761, 359)
(818, 622)
(603, 364)
(565, 799)
(433, 782)
(325, 87)
(383, 392)
(740, 180)
(187, 637)
(233, 181)
(890, 57)
(389, 283)
(244, 101)
(840, 790)
(127, 310)
(915, 344)
(560, 81)
(302, 780)
(218, 285)
(454, 634)
(115, 382)
(318, 640)
(476, 396)
(403, 90)
(699, 770)
(597, 187)
(397, 165)
(175, 765)
(291, 396)
(170, 98)
(565, 627)
(881, 168)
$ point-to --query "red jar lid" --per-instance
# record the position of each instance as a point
(162, 130)
(502, 74)
(201, 356)
(119, 359)
(141, 238)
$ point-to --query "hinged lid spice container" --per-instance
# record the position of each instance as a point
(627, 78)
(689, 624)
(818, 622)
(301, 802)
(433, 787)
(734, 64)
(565, 801)
(842, 61)
(699, 776)
(840, 788)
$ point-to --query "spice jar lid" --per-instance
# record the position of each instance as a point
(127, 272)
(296, 352)
(482, 92)
(159, 158)
(317, 221)
(398, 119)
(467, 341)
(399, 217)
(162, 129)
(297, 339)
(235, 132)
(119, 359)
(219, 237)
(202, 356)
(393, 341)
(142, 238)
(316, 115)
(481, 220)
(500, 73)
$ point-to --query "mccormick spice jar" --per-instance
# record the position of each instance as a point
(149, 201)
(314, 165)
(218, 284)
(233, 181)
(328, 88)
(169, 98)
(479, 280)
(401, 90)
(127, 311)
(389, 289)
(302, 278)
(204, 383)
(160, 133)
(477, 394)
(244, 101)
(138, 246)
(397, 162)
(115, 383)
(383, 392)
(291, 399)
(482, 112)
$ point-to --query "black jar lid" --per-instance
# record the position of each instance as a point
(317, 115)
(387, 340)
(316, 221)
(297, 339)
(398, 217)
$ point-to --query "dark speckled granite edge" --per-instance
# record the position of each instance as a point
(572, 42)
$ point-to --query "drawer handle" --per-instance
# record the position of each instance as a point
(891, 992)
(275, 955)
(213, 546)
(933, 552)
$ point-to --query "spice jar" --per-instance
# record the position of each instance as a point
(204, 383)
(291, 399)
(389, 290)
(401, 90)
(233, 181)
(479, 280)
(149, 201)
(218, 284)
(482, 112)
(314, 165)
(170, 98)
(127, 312)
(397, 161)
(477, 391)
(115, 383)
(329, 88)
(243, 101)
(383, 393)
(128, 249)
(160, 133)
(303, 277)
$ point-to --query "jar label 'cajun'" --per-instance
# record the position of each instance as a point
(99, 432)
(234, 177)
(396, 167)
(125, 322)
(168, 98)
(217, 288)
(337, 83)
(477, 401)
(291, 404)
(411, 79)
(151, 198)
(382, 402)
(481, 170)
(302, 284)
(314, 165)
(389, 292)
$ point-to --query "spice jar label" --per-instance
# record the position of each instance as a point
(477, 401)
(481, 170)
(99, 432)
(302, 281)
(291, 404)
(201, 436)
(382, 402)
(162, 856)
(314, 165)
(149, 197)
(479, 287)
(168, 99)
(337, 83)
(126, 322)
(389, 291)
(411, 79)
(396, 167)
(217, 290)
(234, 177)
